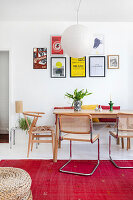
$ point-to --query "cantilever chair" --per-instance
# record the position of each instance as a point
(124, 130)
(36, 132)
(77, 127)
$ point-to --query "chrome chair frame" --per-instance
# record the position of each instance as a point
(77, 173)
(113, 162)
(70, 159)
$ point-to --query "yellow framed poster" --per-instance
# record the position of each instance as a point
(78, 67)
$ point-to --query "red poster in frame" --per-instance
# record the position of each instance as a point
(56, 45)
(39, 58)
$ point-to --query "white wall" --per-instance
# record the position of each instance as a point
(39, 92)
(130, 65)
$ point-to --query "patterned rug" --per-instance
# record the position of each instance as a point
(107, 183)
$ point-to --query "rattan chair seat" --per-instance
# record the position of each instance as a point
(80, 137)
(15, 184)
(122, 134)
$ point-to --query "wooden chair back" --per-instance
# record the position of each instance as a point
(125, 122)
(75, 123)
(35, 116)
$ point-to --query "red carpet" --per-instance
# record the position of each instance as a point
(107, 183)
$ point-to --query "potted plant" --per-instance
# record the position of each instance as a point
(77, 96)
(23, 124)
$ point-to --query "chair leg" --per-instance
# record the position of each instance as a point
(53, 141)
(122, 143)
(29, 145)
(32, 143)
(59, 139)
(118, 141)
(77, 173)
(113, 162)
(128, 143)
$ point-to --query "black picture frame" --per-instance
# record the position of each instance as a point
(102, 70)
(77, 76)
(58, 58)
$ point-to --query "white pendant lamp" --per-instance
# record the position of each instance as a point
(76, 40)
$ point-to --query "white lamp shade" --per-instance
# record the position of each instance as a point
(76, 41)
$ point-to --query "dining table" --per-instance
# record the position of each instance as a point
(93, 113)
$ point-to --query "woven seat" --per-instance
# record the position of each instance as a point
(15, 184)
(122, 134)
(39, 129)
(81, 137)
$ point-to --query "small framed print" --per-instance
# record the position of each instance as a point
(39, 58)
(58, 67)
(97, 66)
(98, 45)
(113, 61)
(56, 48)
(78, 67)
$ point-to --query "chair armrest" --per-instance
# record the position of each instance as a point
(30, 114)
(39, 113)
(34, 112)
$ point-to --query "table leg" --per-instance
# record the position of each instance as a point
(56, 141)
(122, 142)
(118, 141)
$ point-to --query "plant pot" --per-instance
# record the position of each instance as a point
(77, 105)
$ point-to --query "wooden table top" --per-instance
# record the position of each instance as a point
(91, 112)
(63, 111)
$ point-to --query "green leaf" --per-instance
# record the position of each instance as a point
(78, 95)
(23, 124)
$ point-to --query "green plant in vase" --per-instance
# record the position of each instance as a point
(23, 124)
(77, 97)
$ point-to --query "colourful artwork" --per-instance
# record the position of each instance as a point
(98, 45)
(56, 45)
(78, 67)
(40, 58)
(58, 67)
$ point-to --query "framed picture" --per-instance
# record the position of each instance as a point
(97, 66)
(78, 67)
(113, 61)
(98, 45)
(39, 58)
(58, 67)
(56, 48)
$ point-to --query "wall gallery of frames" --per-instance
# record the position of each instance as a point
(96, 66)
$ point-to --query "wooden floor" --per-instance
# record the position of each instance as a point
(4, 138)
